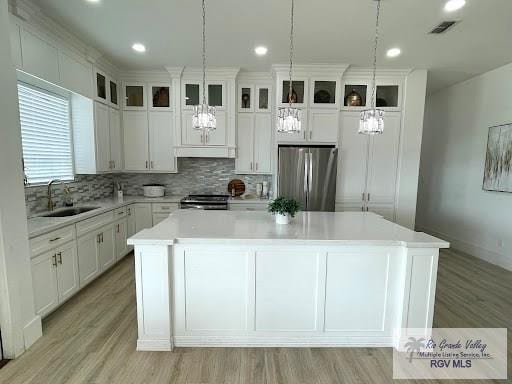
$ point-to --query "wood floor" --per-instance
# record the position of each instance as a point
(91, 339)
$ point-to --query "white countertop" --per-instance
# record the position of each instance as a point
(38, 225)
(259, 228)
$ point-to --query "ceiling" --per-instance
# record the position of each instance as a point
(327, 31)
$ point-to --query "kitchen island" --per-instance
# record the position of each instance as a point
(224, 278)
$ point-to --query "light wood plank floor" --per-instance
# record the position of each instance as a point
(91, 339)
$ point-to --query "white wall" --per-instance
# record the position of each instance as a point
(451, 201)
(19, 325)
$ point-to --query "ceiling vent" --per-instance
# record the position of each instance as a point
(443, 27)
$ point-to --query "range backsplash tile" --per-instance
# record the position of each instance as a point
(196, 175)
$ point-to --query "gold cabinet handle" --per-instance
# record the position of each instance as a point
(54, 239)
(60, 257)
(54, 258)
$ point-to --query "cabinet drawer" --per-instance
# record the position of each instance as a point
(52, 240)
(119, 213)
(164, 207)
(94, 223)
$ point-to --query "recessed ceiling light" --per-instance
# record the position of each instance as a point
(454, 5)
(93, 1)
(138, 47)
(261, 50)
(393, 52)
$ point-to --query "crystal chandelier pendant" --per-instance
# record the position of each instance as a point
(204, 118)
(289, 120)
(371, 122)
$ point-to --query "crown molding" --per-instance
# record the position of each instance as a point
(175, 72)
(311, 69)
(367, 72)
(254, 76)
(212, 72)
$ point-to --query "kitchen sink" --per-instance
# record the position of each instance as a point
(69, 212)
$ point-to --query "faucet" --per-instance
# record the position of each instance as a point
(51, 203)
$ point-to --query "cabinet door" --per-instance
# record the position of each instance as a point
(159, 97)
(136, 156)
(190, 136)
(88, 257)
(245, 98)
(216, 94)
(134, 96)
(114, 93)
(121, 247)
(353, 159)
(218, 136)
(245, 143)
(323, 126)
(383, 161)
(100, 86)
(263, 143)
(101, 126)
(75, 75)
(107, 254)
(192, 94)
(143, 217)
(40, 58)
(44, 283)
(299, 137)
(131, 228)
(262, 102)
(67, 271)
(159, 217)
(161, 141)
(115, 140)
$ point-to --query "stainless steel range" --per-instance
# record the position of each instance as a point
(206, 202)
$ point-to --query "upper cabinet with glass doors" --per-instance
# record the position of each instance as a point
(357, 94)
(106, 89)
(159, 97)
(134, 96)
(325, 93)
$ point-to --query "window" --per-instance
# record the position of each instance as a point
(45, 134)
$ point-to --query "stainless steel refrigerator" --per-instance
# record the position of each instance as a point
(308, 175)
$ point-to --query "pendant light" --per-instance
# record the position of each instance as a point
(289, 118)
(372, 120)
(203, 117)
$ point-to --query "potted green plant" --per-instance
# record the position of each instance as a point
(283, 208)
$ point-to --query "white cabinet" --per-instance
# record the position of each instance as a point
(143, 216)
(131, 225)
(54, 277)
(161, 211)
(254, 143)
(161, 141)
(120, 233)
(136, 140)
(149, 141)
(192, 136)
(101, 126)
(40, 58)
(107, 255)
(368, 166)
(296, 137)
(323, 126)
(116, 158)
(106, 89)
(75, 74)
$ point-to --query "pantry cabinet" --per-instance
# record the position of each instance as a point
(54, 277)
(368, 166)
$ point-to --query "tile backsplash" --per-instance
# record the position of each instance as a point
(196, 175)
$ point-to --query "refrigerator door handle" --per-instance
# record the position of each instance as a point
(306, 187)
(310, 180)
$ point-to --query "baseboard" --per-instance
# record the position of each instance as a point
(472, 249)
(154, 345)
(32, 331)
(245, 341)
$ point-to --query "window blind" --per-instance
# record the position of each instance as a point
(45, 134)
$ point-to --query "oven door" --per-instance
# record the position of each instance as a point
(206, 207)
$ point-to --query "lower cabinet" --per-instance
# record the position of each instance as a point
(95, 253)
(159, 217)
(143, 216)
(161, 211)
(54, 277)
(120, 234)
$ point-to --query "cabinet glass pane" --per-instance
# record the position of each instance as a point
(245, 101)
(215, 95)
(325, 92)
(101, 86)
(134, 96)
(263, 98)
(387, 96)
(160, 97)
(113, 92)
(297, 92)
(191, 94)
(355, 95)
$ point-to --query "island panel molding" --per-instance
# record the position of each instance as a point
(277, 288)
